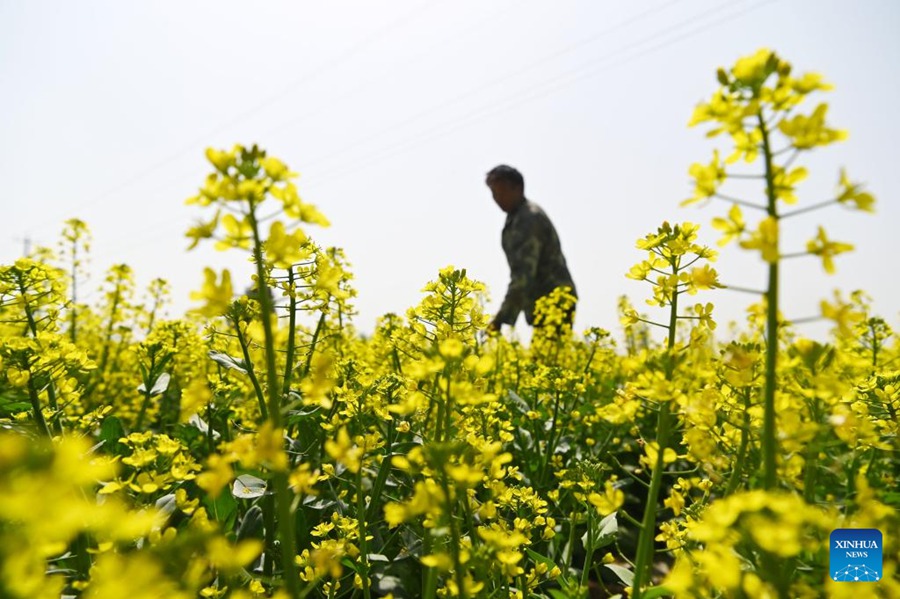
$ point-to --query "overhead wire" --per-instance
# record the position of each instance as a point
(497, 81)
(532, 93)
(191, 172)
(455, 35)
(305, 78)
(546, 88)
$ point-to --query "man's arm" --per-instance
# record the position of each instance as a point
(525, 249)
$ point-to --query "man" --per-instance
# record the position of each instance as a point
(536, 262)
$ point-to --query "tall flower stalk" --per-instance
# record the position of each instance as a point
(672, 268)
(756, 105)
(246, 179)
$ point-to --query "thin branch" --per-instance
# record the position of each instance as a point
(631, 519)
(268, 217)
(805, 319)
(728, 198)
(644, 320)
(809, 208)
(790, 161)
(771, 122)
(691, 263)
(635, 477)
(233, 209)
(743, 289)
(743, 176)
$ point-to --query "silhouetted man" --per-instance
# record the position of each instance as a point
(536, 262)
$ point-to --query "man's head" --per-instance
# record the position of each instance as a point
(507, 186)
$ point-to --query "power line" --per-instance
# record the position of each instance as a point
(497, 80)
(454, 36)
(547, 87)
(191, 146)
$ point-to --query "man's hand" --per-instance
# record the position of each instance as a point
(494, 326)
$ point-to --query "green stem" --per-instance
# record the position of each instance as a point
(363, 542)
(454, 536)
(588, 549)
(442, 407)
(448, 404)
(312, 344)
(107, 341)
(769, 443)
(271, 533)
(210, 431)
(429, 585)
(36, 408)
(809, 478)
(283, 495)
(251, 373)
(875, 346)
(737, 473)
(73, 315)
(292, 334)
(139, 423)
(51, 394)
(851, 475)
(383, 472)
(663, 430)
(567, 558)
(648, 523)
(82, 556)
(283, 498)
(551, 443)
(631, 519)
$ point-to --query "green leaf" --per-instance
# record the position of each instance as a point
(891, 498)
(517, 402)
(318, 503)
(543, 559)
(223, 509)
(624, 574)
(227, 361)
(166, 504)
(13, 405)
(402, 577)
(161, 384)
(604, 533)
(201, 425)
(656, 592)
(607, 530)
(251, 525)
(110, 432)
(387, 584)
(350, 564)
(247, 486)
(540, 559)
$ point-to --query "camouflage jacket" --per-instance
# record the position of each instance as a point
(536, 262)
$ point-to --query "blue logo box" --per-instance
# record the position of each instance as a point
(856, 555)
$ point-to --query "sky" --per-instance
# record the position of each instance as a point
(392, 112)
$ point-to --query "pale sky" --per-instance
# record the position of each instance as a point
(393, 111)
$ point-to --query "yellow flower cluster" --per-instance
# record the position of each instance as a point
(261, 447)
